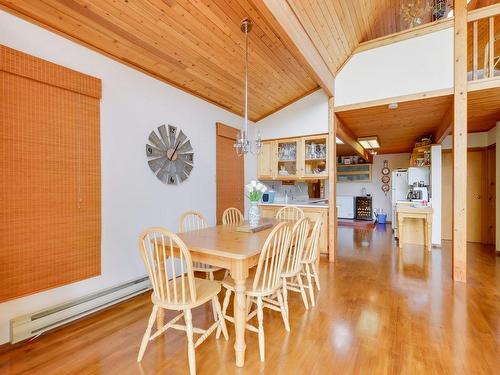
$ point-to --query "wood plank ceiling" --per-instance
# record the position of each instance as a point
(337, 27)
(404, 126)
(398, 129)
(193, 45)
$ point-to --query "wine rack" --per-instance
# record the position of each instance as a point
(364, 208)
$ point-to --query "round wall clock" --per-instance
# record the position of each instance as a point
(170, 155)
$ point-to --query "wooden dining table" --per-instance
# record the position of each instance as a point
(224, 246)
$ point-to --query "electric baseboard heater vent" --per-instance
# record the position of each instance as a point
(30, 325)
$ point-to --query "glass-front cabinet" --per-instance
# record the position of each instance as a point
(314, 156)
(288, 156)
(354, 173)
(294, 158)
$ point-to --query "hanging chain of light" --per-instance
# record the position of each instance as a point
(243, 145)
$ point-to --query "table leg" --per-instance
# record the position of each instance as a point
(239, 273)
(239, 322)
(429, 234)
(400, 231)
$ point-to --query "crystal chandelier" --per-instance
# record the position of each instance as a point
(243, 145)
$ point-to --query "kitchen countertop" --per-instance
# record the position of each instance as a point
(413, 208)
(323, 204)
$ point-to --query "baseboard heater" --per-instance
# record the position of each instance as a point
(30, 325)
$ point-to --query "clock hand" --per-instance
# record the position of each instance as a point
(175, 150)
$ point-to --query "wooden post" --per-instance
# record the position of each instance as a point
(332, 181)
(460, 143)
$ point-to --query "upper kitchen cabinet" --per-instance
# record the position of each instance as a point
(289, 152)
(314, 157)
(294, 158)
(266, 161)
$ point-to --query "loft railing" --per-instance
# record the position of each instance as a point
(484, 38)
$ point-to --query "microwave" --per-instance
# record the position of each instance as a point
(268, 197)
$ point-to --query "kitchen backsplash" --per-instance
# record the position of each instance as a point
(297, 191)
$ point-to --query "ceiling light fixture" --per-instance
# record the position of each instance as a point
(369, 143)
(393, 105)
(243, 145)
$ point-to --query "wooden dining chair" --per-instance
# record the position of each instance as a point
(232, 216)
(266, 282)
(292, 213)
(292, 279)
(191, 221)
(310, 260)
(170, 269)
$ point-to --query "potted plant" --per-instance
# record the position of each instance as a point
(254, 194)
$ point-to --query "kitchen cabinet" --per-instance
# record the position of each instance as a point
(288, 158)
(266, 165)
(314, 156)
(354, 172)
(313, 213)
(298, 158)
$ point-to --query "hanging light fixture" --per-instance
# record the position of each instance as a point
(243, 145)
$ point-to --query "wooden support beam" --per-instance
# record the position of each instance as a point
(446, 126)
(489, 11)
(282, 19)
(395, 99)
(460, 143)
(346, 135)
(332, 182)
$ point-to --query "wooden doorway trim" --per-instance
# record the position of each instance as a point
(479, 196)
(230, 171)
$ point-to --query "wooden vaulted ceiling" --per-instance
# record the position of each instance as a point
(198, 45)
(194, 45)
(336, 28)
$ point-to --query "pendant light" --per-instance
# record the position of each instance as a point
(243, 145)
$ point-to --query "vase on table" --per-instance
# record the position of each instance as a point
(254, 214)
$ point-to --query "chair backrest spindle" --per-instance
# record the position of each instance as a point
(292, 213)
(311, 252)
(192, 220)
(232, 216)
(297, 244)
(169, 266)
(272, 258)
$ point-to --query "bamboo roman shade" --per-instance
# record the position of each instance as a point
(50, 209)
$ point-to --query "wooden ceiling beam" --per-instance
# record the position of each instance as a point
(348, 137)
(445, 127)
(282, 19)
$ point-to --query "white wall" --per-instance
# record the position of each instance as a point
(308, 115)
(419, 64)
(380, 200)
(482, 139)
(133, 104)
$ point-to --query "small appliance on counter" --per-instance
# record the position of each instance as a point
(268, 197)
(422, 192)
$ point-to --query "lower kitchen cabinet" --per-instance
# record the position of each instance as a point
(313, 213)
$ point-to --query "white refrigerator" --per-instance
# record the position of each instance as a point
(399, 191)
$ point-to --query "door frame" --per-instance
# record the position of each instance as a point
(484, 189)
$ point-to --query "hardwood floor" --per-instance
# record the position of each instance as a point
(380, 311)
